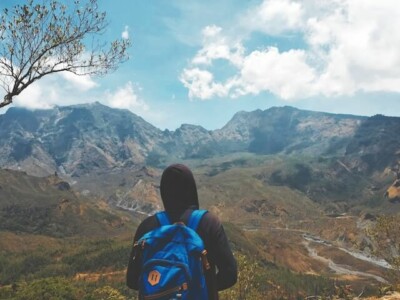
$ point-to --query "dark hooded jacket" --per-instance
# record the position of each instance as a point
(179, 196)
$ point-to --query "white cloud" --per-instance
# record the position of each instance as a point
(125, 33)
(126, 97)
(81, 82)
(51, 91)
(361, 46)
(347, 46)
(33, 98)
(57, 89)
(218, 46)
(285, 74)
(274, 17)
(201, 84)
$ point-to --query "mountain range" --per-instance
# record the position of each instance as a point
(92, 138)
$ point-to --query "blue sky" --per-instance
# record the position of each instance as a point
(199, 62)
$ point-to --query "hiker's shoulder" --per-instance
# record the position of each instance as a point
(210, 219)
(145, 226)
(149, 222)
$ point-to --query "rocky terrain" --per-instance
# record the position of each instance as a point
(82, 139)
(340, 161)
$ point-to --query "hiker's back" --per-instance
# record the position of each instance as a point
(179, 195)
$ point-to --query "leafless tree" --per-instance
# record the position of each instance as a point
(43, 37)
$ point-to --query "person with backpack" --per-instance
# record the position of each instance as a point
(183, 252)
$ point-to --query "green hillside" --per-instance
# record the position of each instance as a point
(49, 206)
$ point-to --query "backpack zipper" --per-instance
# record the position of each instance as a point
(183, 287)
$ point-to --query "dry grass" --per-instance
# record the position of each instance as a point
(22, 242)
(392, 296)
(112, 276)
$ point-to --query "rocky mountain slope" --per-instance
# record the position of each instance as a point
(288, 130)
(74, 140)
(82, 139)
(336, 159)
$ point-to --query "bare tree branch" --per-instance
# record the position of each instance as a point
(45, 37)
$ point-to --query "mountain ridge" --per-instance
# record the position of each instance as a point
(80, 139)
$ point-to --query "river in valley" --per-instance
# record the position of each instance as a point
(309, 239)
(343, 269)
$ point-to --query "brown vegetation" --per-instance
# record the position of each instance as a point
(393, 192)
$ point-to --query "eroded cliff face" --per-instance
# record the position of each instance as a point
(142, 197)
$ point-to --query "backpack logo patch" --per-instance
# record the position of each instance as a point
(154, 277)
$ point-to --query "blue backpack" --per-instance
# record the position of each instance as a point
(173, 261)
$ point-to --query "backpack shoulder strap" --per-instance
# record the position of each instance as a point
(162, 218)
(195, 218)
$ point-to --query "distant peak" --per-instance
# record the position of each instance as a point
(191, 127)
(186, 125)
(87, 105)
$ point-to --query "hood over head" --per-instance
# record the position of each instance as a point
(178, 189)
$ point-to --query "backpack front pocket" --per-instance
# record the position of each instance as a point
(164, 279)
